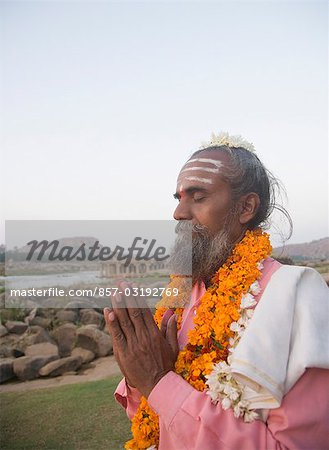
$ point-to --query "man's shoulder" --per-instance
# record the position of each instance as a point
(299, 281)
(299, 272)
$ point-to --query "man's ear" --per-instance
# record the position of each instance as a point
(249, 204)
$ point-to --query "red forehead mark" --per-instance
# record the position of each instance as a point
(182, 193)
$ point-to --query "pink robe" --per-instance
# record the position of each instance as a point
(189, 420)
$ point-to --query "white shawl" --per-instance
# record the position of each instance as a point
(288, 333)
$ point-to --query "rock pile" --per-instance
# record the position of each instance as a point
(51, 342)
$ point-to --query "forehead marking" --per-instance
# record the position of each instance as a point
(201, 180)
(181, 191)
(205, 169)
(215, 162)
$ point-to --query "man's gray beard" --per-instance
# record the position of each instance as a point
(207, 255)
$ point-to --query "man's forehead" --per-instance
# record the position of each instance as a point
(202, 168)
(212, 160)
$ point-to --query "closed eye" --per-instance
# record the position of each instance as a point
(199, 199)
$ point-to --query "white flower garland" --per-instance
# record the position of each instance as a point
(221, 383)
(230, 141)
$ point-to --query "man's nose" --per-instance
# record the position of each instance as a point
(182, 212)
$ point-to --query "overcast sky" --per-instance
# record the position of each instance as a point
(102, 102)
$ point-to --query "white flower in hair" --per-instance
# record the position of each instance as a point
(223, 138)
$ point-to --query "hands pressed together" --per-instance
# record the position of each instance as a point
(144, 353)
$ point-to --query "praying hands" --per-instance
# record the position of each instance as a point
(144, 353)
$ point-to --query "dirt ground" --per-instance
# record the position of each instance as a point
(101, 368)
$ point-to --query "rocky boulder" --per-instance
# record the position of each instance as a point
(41, 322)
(3, 331)
(6, 369)
(85, 355)
(15, 344)
(105, 330)
(89, 316)
(34, 335)
(48, 313)
(90, 338)
(56, 368)
(42, 349)
(67, 316)
(65, 335)
(16, 327)
(9, 343)
(27, 367)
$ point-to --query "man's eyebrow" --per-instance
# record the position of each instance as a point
(190, 190)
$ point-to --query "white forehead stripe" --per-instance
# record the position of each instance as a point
(201, 180)
(204, 169)
(215, 162)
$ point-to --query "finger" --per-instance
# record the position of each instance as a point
(106, 312)
(135, 312)
(131, 302)
(121, 314)
(118, 337)
(171, 335)
(147, 315)
(164, 321)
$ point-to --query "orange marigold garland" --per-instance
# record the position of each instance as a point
(215, 322)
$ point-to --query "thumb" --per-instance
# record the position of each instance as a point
(172, 334)
(164, 322)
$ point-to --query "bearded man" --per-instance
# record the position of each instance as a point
(244, 364)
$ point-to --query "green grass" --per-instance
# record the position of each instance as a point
(83, 416)
(12, 314)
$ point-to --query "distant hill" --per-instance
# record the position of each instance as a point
(313, 251)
